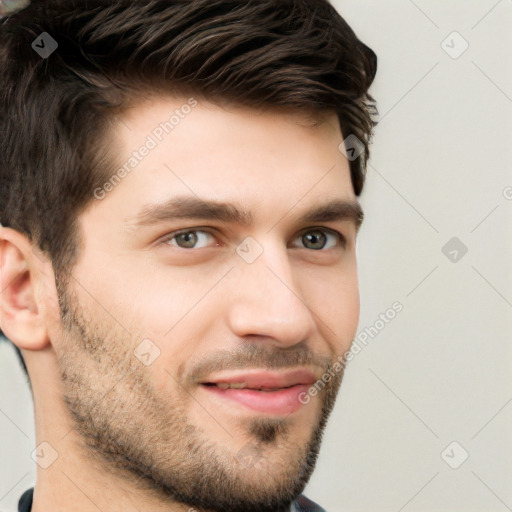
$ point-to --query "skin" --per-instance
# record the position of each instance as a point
(131, 436)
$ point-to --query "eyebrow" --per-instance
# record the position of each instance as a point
(189, 207)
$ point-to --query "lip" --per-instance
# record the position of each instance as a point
(282, 401)
(265, 379)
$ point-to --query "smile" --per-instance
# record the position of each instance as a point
(261, 391)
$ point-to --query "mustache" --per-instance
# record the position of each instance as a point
(255, 356)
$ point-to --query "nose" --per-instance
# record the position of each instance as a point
(266, 300)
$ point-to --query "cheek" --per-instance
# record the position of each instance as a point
(346, 300)
(334, 299)
(49, 303)
(52, 312)
(352, 312)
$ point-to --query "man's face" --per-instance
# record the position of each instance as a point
(156, 324)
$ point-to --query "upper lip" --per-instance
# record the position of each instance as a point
(259, 379)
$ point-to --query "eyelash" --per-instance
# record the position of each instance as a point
(167, 239)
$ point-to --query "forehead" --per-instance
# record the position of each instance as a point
(143, 110)
(268, 161)
(179, 124)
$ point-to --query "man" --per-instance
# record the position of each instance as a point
(179, 185)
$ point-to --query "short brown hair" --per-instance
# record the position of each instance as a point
(55, 112)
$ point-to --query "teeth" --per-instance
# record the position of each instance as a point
(242, 385)
(233, 385)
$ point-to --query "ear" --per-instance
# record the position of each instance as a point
(21, 318)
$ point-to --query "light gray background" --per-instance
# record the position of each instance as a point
(439, 372)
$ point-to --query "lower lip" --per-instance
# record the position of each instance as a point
(282, 402)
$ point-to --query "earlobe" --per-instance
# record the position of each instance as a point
(21, 318)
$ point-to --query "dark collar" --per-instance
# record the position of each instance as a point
(25, 503)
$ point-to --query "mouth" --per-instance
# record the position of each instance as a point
(242, 385)
(263, 392)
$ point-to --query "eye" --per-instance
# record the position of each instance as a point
(188, 239)
(321, 238)
(314, 239)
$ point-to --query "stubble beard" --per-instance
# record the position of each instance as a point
(128, 429)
